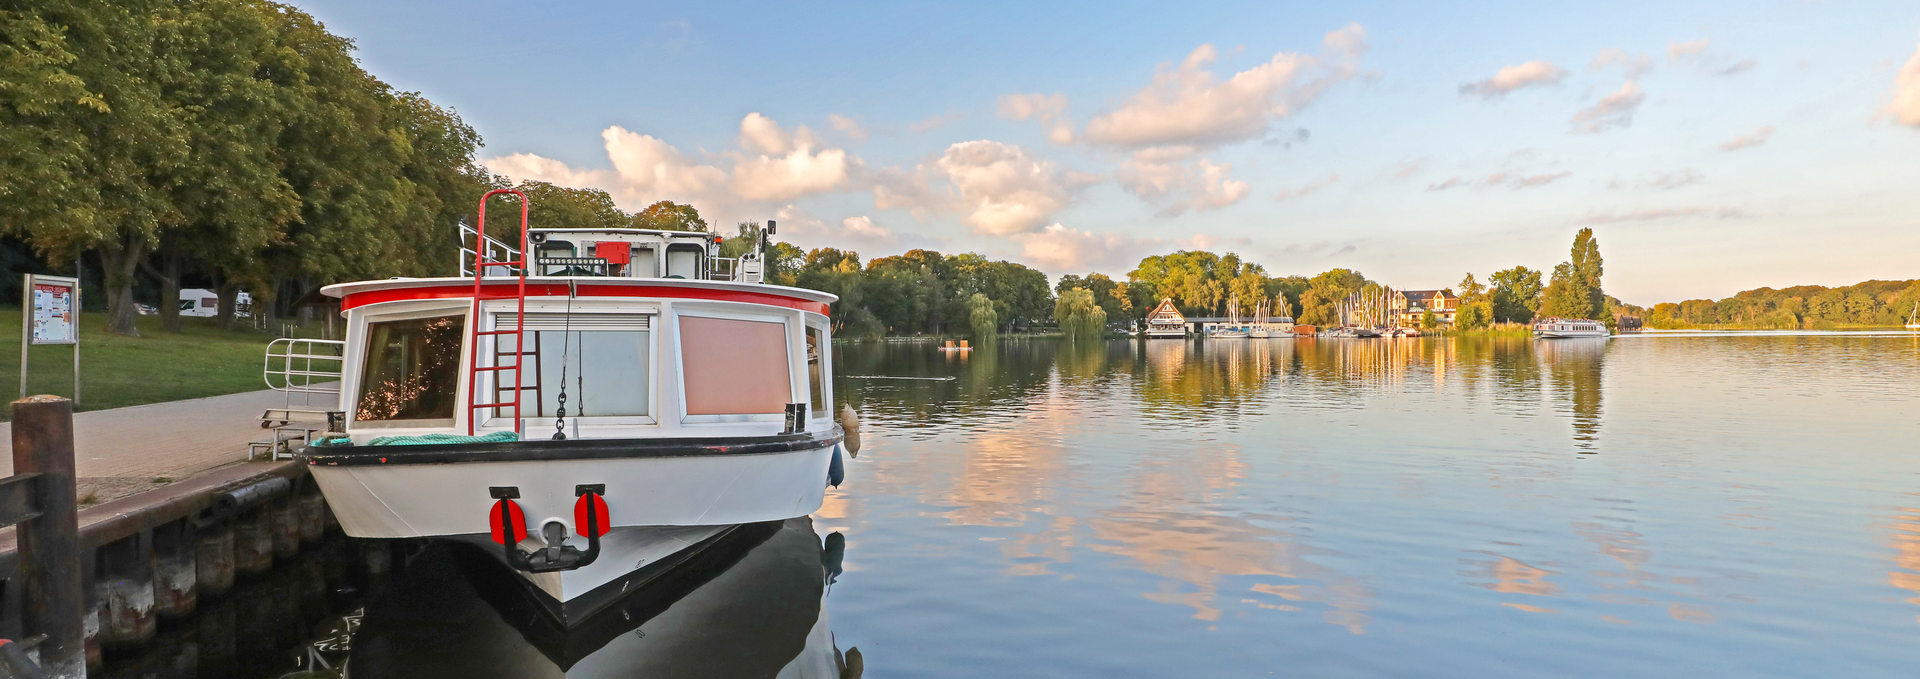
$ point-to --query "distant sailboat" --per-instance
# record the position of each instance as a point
(1232, 329)
(1913, 317)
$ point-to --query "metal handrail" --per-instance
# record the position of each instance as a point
(488, 248)
(288, 350)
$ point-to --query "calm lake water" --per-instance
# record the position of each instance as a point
(1650, 505)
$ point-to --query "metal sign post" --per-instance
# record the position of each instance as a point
(50, 314)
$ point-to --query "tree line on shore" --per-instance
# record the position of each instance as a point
(236, 144)
(1810, 307)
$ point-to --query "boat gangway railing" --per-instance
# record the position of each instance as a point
(307, 370)
(476, 247)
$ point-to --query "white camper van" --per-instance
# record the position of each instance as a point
(206, 303)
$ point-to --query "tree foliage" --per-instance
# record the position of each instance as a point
(1870, 303)
(667, 215)
(1473, 315)
(1515, 294)
(1575, 291)
(984, 319)
(233, 140)
(1080, 315)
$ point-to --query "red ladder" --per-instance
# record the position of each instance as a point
(474, 369)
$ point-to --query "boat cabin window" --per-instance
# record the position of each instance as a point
(602, 361)
(734, 367)
(819, 351)
(683, 261)
(412, 370)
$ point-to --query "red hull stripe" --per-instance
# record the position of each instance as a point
(506, 291)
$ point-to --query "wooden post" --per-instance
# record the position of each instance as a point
(49, 545)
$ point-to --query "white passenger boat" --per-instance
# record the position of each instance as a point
(592, 412)
(1567, 328)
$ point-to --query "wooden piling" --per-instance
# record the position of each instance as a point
(49, 544)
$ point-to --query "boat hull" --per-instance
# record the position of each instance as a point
(429, 500)
(1568, 334)
(666, 501)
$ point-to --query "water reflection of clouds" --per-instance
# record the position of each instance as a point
(1906, 545)
(1256, 481)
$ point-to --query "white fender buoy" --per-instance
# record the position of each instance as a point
(850, 423)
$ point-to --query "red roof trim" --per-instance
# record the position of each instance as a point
(506, 291)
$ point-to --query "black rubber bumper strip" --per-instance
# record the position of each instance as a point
(572, 449)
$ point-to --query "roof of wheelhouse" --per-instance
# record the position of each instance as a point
(361, 293)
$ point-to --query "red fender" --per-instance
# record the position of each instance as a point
(590, 502)
(516, 522)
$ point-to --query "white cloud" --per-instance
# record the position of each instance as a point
(1614, 110)
(849, 125)
(760, 133)
(1176, 187)
(775, 165)
(933, 122)
(1905, 107)
(1060, 249)
(1755, 138)
(1530, 181)
(912, 190)
(859, 234)
(1677, 51)
(1510, 78)
(1661, 180)
(1049, 110)
(1635, 65)
(786, 166)
(1501, 179)
(1408, 168)
(1289, 194)
(1658, 214)
(1005, 189)
(1189, 105)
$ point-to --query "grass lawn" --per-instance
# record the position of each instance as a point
(117, 371)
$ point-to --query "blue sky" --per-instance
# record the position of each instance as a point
(1712, 147)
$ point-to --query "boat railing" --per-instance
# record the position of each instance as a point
(310, 368)
(305, 366)
(478, 246)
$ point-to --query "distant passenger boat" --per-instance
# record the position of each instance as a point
(1567, 328)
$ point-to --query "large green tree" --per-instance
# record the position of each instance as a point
(1515, 294)
(667, 215)
(1079, 315)
(1587, 265)
(100, 171)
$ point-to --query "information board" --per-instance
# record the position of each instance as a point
(55, 316)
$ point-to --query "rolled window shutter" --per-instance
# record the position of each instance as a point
(580, 322)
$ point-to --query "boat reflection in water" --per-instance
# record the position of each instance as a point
(749, 607)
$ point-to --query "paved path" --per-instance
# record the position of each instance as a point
(121, 451)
